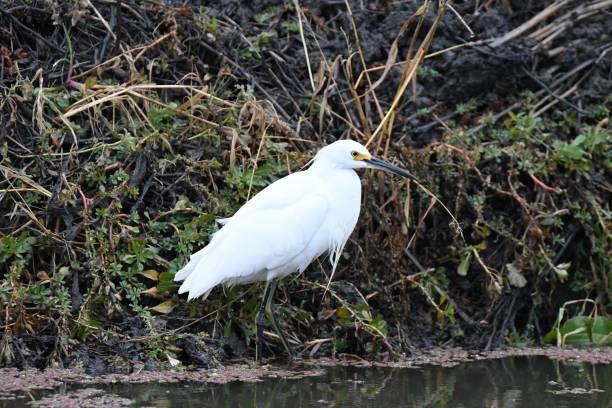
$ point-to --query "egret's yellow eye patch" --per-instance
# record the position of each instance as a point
(360, 156)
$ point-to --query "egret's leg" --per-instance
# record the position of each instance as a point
(272, 316)
(261, 319)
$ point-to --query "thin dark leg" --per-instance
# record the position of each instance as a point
(272, 316)
(261, 319)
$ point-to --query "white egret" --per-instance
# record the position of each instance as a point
(284, 228)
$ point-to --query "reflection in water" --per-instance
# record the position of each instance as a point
(504, 383)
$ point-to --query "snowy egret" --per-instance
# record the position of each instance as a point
(284, 228)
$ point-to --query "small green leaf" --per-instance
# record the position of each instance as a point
(380, 325)
(166, 277)
(64, 271)
(362, 307)
(90, 82)
(547, 221)
(92, 323)
(464, 266)
(561, 271)
(166, 286)
(482, 230)
(343, 313)
(601, 331)
(213, 25)
(580, 339)
(583, 331)
(575, 323)
(550, 337)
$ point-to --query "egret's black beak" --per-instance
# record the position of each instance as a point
(383, 165)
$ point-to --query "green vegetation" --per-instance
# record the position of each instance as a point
(581, 330)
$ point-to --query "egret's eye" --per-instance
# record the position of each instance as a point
(354, 154)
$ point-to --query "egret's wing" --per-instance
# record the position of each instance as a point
(280, 194)
(270, 231)
(277, 194)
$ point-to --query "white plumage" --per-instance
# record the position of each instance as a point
(287, 225)
(284, 227)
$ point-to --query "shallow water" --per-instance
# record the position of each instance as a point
(507, 382)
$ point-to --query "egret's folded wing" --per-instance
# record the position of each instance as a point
(260, 239)
(278, 195)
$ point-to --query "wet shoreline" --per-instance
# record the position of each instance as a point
(568, 377)
(15, 380)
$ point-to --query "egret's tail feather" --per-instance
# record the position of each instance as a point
(186, 271)
(197, 259)
(194, 261)
(234, 254)
(199, 284)
(193, 296)
(197, 280)
(197, 277)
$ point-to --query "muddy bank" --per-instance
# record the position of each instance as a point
(19, 380)
(527, 381)
(451, 357)
(15, 380)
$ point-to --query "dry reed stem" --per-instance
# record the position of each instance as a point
(348, 72)
(298, 10)
(451, 8)
(362, 57)
(528, 25)
(125, 53)
(392, 56)
(102, 20)
(548, 33)
(411, 69)
(8, 172)
(332, 70)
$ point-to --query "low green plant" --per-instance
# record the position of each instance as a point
(257, 44)
(582, 330)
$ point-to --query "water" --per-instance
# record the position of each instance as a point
(504, 383)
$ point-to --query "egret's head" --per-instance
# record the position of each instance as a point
(348, 154)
